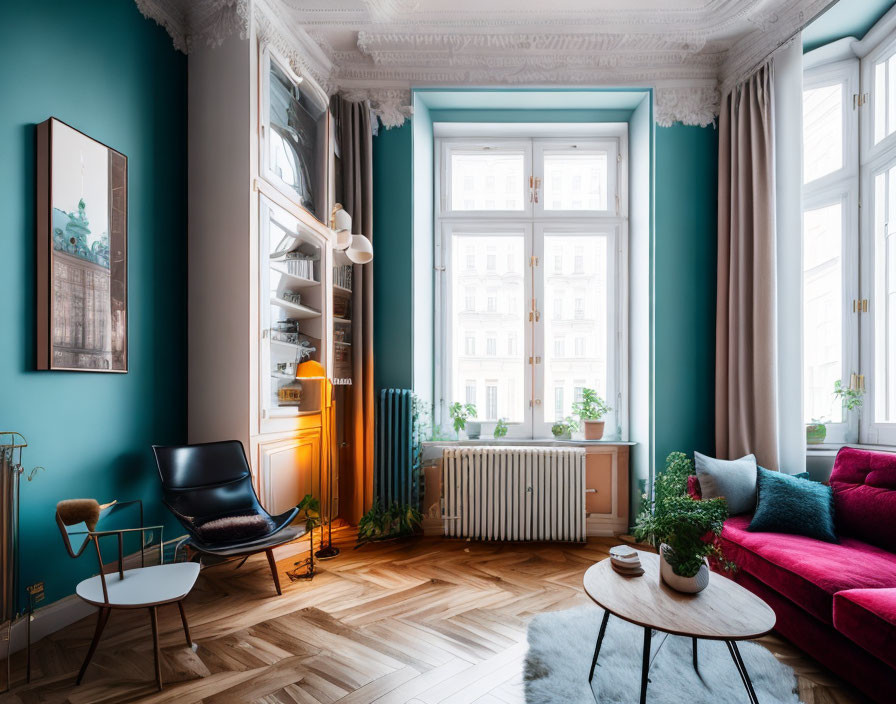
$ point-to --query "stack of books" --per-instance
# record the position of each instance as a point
(625, 561)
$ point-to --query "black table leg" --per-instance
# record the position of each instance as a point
(696, 668)
(742, 670)
(600, 638)
(645, 665)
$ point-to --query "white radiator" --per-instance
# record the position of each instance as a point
(514, 493)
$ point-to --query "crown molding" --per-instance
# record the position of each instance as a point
(682, 53)
(774, 29)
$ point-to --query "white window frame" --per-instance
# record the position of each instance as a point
(614, 222)
(443, 333)
(874, 159)
(871, 431)
(870, 150)
(448, 146)
(616, 368)
(841, 186)
(611, 146)
(855, 185)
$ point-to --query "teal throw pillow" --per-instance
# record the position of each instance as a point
(787, 504)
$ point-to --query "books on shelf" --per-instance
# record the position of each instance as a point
(299, 264)
(342, 276)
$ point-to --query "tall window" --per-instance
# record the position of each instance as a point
(830, 213)
(849, 253)
(545, 223)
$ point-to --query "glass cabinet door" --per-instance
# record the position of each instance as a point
(292, 312)
(294, 153)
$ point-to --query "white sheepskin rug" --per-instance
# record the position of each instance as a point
(561, 645)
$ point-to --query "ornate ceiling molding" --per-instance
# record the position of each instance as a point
(690, 105)
(391, 105)
(773, 30)
(378, 50)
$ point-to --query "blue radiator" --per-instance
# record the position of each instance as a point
(397, 475)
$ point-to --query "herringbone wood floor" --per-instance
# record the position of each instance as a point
(427, 621)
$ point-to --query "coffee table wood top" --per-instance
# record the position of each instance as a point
(722, 611)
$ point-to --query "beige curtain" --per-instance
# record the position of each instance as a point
(746, 404)
(356, 192)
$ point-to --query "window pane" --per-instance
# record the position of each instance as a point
(497, 367)
(298, 131)
(487, 180)
(575, 181)
(822, 131)
(885, 296)
(578, 343)
(880, 101)
(891, 95)
(823, 313)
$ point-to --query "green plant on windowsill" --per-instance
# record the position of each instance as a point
(591, 407)
(683, 523)
(850, 398)
(396, 521)
(816, 431)
(460, 413)
(563, 429)
(500, 428)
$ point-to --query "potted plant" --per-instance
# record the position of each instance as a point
(388, 523)
(500, 428)
(309, 511)
(684, 529)
(460, 413)
(563, 429)
(591, 411)
(851, 399)
(816, 431)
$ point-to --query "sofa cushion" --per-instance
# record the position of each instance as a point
(734, 480)
(868, 618)
(864, 485)
(792, 505)
(808, 572)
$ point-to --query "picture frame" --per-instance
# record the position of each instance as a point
(81, 252)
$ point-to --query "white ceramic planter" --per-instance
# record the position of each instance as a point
(474, 429)
(687, 585)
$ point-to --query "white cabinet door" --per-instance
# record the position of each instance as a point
(289, 469)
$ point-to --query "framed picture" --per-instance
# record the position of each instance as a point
(82, 262)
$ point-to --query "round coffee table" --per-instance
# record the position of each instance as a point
(723, 611)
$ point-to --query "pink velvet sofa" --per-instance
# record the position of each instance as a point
(837, 602)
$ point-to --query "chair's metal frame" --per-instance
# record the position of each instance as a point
(93, 536)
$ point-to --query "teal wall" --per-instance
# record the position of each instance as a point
(104, 69)
(393, 261)
(685, 203)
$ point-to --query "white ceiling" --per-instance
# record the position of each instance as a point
(381, 48)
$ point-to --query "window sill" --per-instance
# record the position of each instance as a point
(546, 442)
(831, 449)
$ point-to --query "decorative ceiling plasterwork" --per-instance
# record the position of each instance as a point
(378, 49)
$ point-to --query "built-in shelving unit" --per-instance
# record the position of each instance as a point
(260, 261)
(342, 317)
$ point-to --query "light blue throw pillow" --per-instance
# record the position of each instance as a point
(735, 480)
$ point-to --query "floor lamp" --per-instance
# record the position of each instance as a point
(313, 370)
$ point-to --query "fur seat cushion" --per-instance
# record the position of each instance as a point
(234, 528)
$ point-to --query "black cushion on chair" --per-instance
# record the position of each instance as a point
(208, 487)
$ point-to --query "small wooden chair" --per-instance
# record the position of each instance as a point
(139, 588)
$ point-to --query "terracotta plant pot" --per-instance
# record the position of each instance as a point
(687, 585)
(594, 429)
